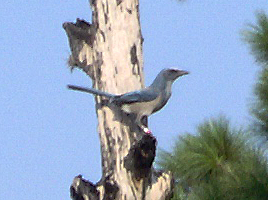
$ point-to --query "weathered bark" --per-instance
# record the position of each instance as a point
(110, 51)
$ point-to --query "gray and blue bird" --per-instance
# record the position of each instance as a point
(142, 102)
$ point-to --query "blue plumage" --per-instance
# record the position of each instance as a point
(142, 102)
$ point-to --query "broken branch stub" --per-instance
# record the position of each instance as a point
(81, 36)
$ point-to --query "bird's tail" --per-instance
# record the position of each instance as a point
(91, 91)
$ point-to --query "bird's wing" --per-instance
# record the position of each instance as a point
(137, 96)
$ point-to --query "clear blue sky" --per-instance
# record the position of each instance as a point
(48, 134)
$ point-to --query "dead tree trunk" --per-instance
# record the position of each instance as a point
(109, 50)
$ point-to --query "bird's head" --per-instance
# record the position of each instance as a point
(167, 77)
(171, 74)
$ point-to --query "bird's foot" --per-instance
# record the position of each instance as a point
(147, 131)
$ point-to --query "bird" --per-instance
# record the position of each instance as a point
(144, 102)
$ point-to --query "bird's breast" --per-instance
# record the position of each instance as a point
(144, 108)
(161, 104)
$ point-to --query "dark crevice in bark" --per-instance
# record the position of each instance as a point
(140, 33)
(110, 186)
(110, 150)
(99, 62)
(134, 60)
(133, 54)
(142, 39)
(106, 18)
(143, 190)
(103, 35)
(129, 11)
(115, 69)
(141, 156)
(82, 189)
(105, 12)
(95, 18)
(118, 2)
(111, 190)
(107, 7)
(133, 193)
(92, 2)
(75, 195)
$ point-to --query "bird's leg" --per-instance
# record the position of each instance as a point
(144, 120)
(146, 130)
(142, 123)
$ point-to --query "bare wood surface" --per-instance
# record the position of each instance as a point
(109, 50)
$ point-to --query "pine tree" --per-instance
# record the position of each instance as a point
(217, 163)
(199, 159)
(257, 38)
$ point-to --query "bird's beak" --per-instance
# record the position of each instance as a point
(182, 73)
